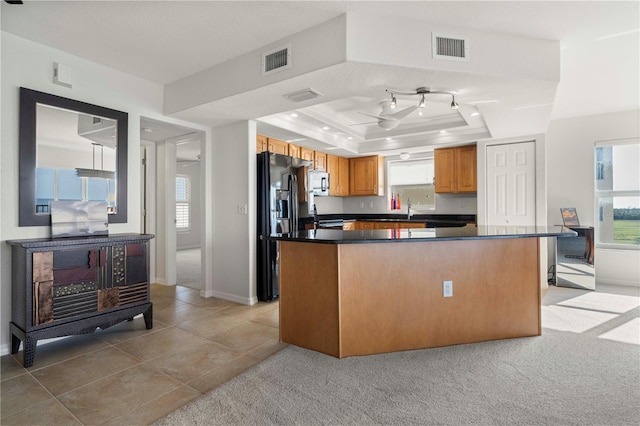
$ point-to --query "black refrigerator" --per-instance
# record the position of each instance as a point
(278, 212)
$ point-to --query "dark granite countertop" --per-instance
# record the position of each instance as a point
(336, 236)
(432, 220)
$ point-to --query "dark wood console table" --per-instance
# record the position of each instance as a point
(68, 286)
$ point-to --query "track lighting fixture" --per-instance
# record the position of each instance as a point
(422, 91)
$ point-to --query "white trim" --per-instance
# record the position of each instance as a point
(230, 297)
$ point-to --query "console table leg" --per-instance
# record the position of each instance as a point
(15, 343)
(148, 318)
(29, 351)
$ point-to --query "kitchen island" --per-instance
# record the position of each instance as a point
(347, 293)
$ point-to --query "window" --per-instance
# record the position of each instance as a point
(183, 200)
(64, 184)
(617, 194)
(412, 179)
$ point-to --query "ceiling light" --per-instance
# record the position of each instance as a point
(474, 114)
(325, 128)
(420, 112)
(388, 139)
(454, 104)
(350, 138)
(293, 114)
(404, 155)
(443, 131)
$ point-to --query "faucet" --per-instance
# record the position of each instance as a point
(408, 208)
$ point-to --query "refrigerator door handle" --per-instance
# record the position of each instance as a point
(293, 182)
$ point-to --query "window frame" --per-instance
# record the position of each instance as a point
(416, 209)
(186, 202)
(599, 173)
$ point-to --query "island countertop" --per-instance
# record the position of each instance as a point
(336, 236)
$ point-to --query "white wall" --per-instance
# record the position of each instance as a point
(28, 64)
(234, 236)
(570, 151)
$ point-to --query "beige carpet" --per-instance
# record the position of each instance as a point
(583, 370)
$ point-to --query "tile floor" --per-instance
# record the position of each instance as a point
(127, 375)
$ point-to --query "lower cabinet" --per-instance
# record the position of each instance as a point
(69, 286)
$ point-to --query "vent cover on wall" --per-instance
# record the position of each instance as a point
(449, 47)
(276, 59)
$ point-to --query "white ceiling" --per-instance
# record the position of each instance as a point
(166, 41)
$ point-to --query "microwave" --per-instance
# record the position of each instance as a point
(319, 183)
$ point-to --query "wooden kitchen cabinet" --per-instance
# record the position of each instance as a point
(338, 169)
(294, 151)
(261, 144)
(320, 161)
(456, 169)
(349, 226)
(364, 225)
(385, 225)
(278, 147)
(306, 154)
(366, 175)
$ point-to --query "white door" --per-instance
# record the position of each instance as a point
(511, 184)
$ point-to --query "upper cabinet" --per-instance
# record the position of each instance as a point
(456, 169)
(276, 146)
(338, 169)
(261, 144)
(306, 154)
(294, 151)
(320, 161)
(366, 175)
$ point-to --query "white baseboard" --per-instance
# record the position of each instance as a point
(230, 297)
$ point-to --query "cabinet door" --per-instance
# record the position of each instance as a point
(444, 163)
(261, 144)
(333, 168)
(364, 225)
(343, 183)
(294, 151)
(386, 225)
(278, 147)
(307, 154)
(365, 176)
(349, 226)
(320, 161)
(466, 169)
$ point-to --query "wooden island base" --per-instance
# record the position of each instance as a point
(360, 299)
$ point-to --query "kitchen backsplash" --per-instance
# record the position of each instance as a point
(445, 204)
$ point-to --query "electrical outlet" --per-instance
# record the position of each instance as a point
(242, 209)
(447, 288)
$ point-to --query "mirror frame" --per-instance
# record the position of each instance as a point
(27, 188)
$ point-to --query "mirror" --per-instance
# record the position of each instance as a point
(70, 150)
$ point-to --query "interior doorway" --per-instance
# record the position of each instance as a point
(172, 194)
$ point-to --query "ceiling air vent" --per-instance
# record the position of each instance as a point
(303, 95)
(276, 60)
(449, 48)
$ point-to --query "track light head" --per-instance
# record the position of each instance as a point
(393, 101)
(454, 104)
(421, 104)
